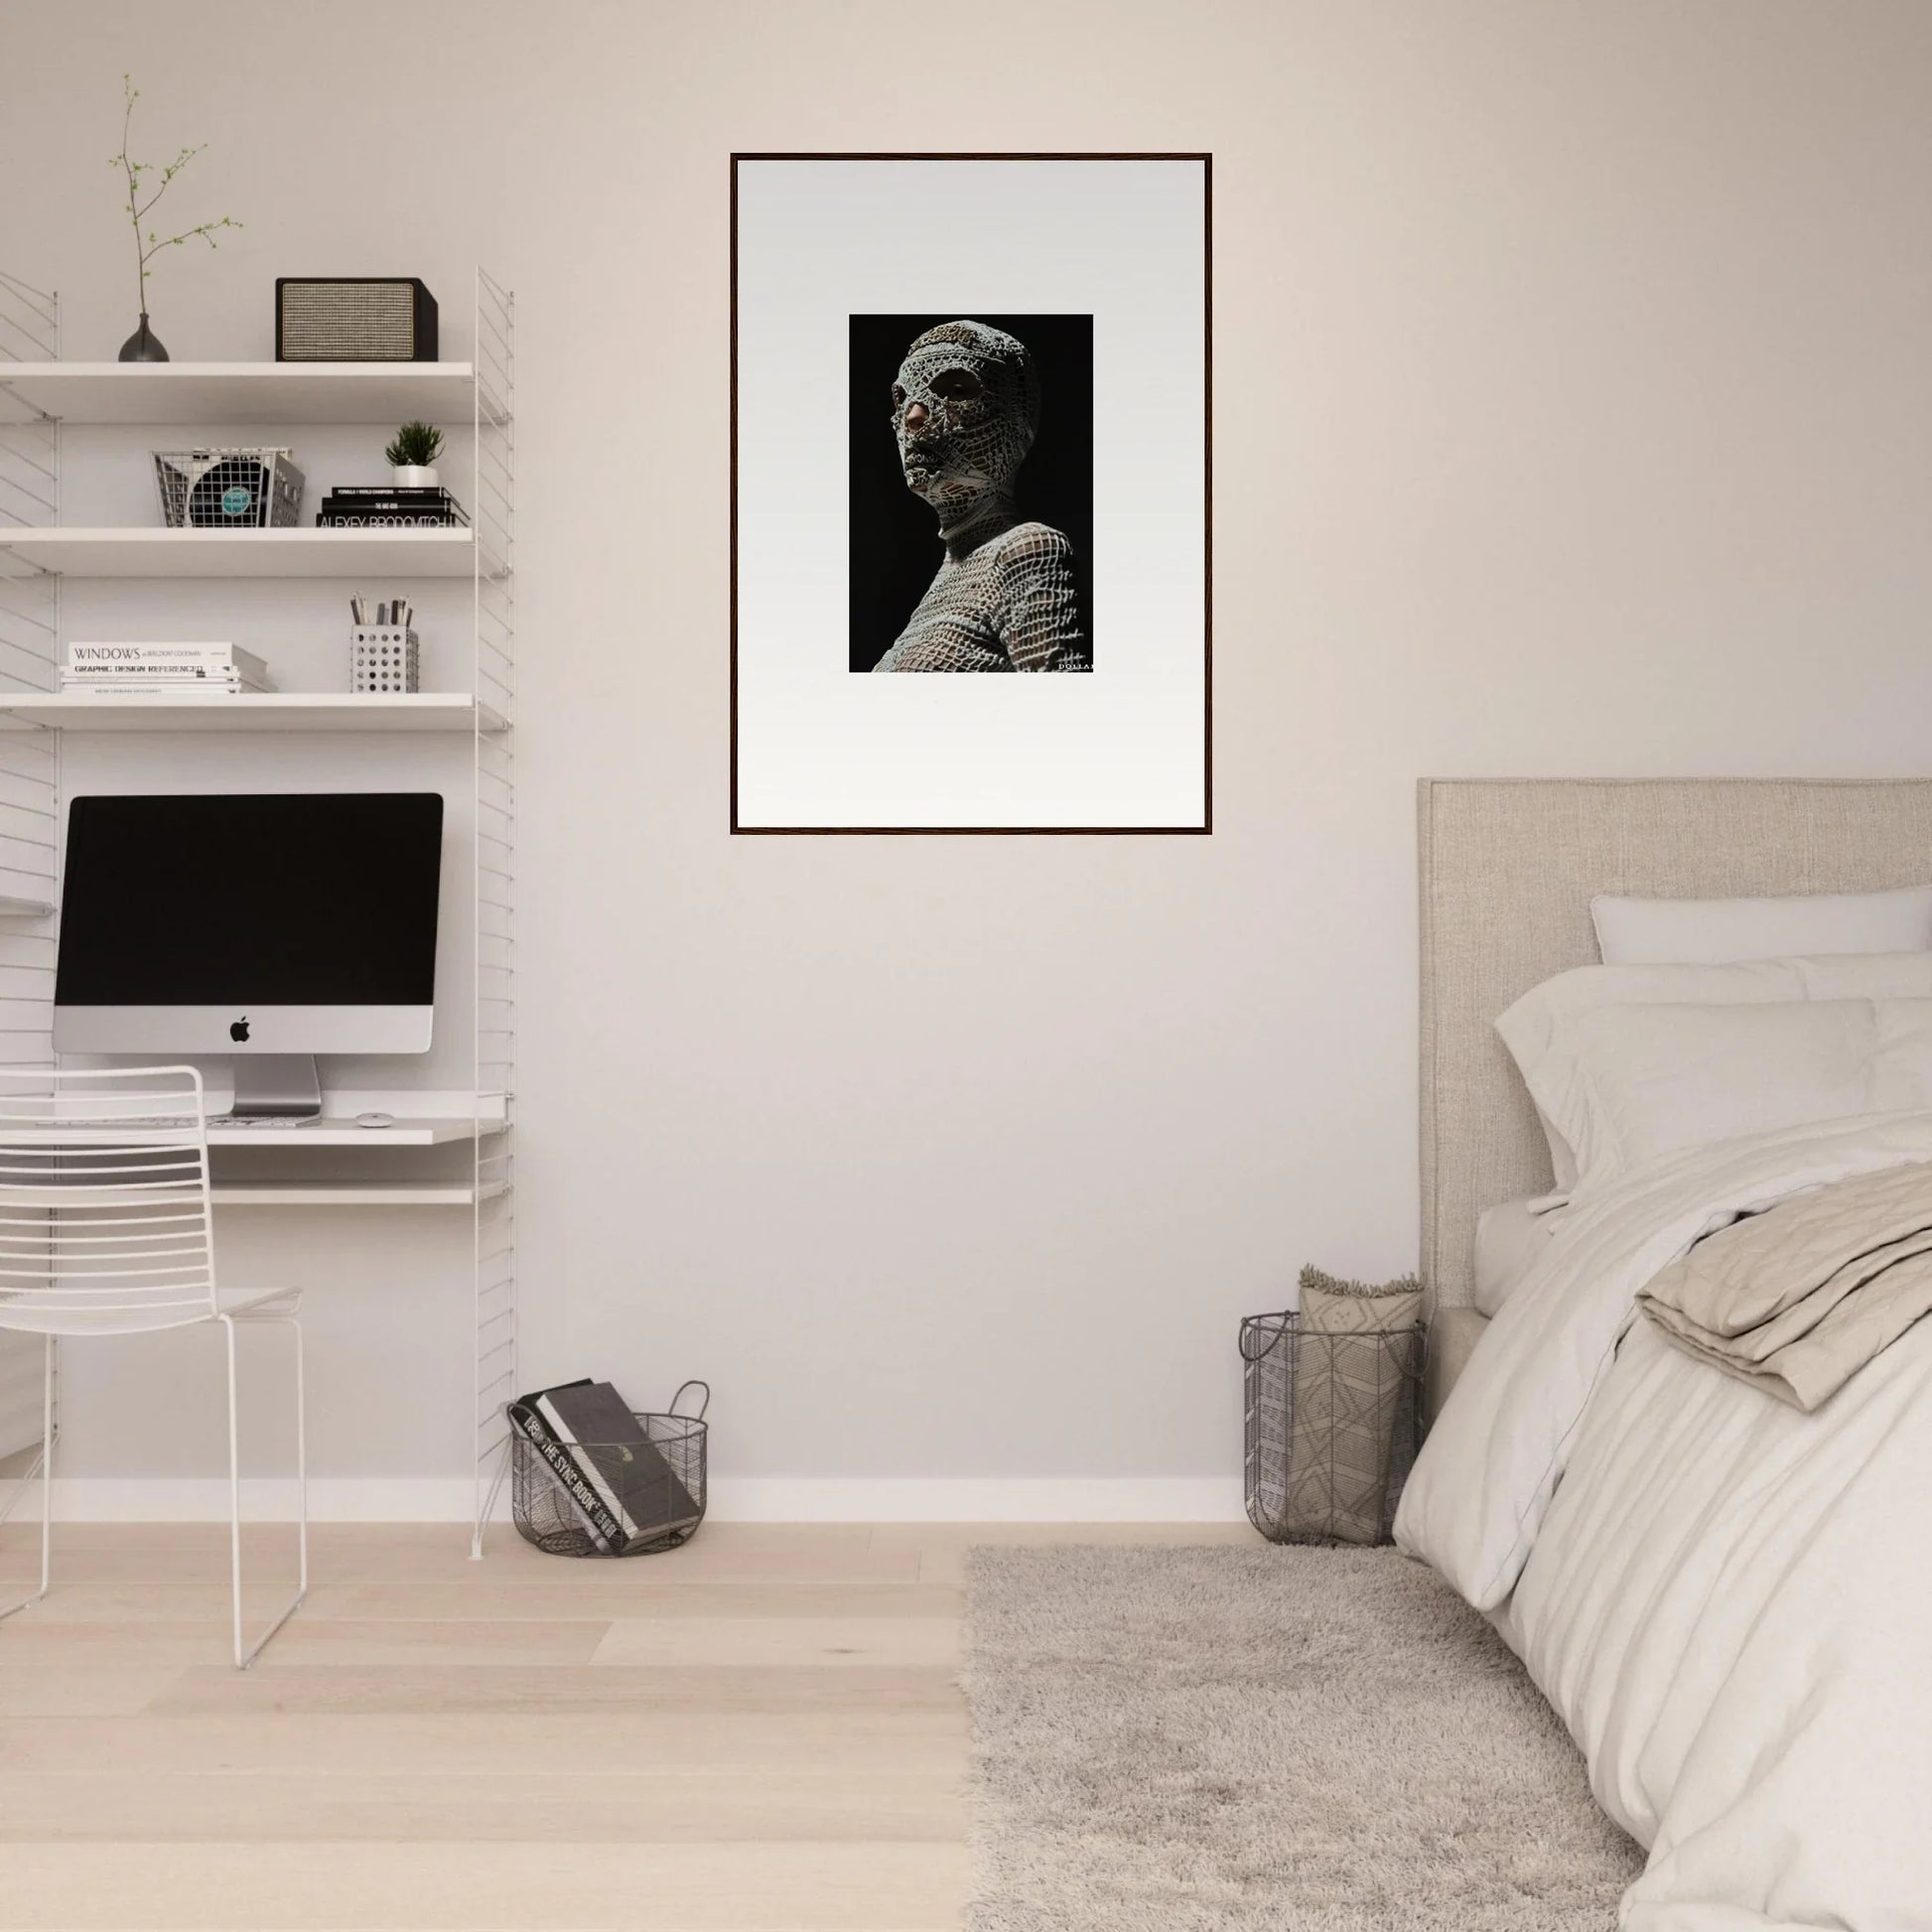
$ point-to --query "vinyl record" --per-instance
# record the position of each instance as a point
(232, 492)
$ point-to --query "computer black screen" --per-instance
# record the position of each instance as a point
(276, 899)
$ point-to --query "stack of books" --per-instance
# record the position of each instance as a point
(618, 1480)
(385, 506)
(206, 670)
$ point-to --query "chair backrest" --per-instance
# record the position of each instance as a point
(104, 1207)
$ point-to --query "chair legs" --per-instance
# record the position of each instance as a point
(245, 1653)
(44, 1464)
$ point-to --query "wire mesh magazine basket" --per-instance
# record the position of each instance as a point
(1333, 1424)
(611, 1499)
(228, 489)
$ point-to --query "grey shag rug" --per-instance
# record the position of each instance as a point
(1224, 1739)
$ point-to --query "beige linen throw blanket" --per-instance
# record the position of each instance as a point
(1797, 1300)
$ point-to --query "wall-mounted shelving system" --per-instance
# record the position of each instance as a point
(39, 395)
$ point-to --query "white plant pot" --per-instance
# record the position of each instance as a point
(414, 475)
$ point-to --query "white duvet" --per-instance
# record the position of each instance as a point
(1730, 1602)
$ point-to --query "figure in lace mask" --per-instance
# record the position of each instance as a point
(965, 410)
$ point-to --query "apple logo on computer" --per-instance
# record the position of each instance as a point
(239, 1031)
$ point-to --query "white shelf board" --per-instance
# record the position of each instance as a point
(136, 551)
(347, 1193)
(331, 1130)
(339, 1130)
(242, 392)
(270, 711)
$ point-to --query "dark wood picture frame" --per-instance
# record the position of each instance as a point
(1206, 826)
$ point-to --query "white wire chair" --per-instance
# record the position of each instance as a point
(106, 1229)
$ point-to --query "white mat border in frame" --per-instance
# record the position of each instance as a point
(820, 238)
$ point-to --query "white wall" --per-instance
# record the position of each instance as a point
(1573, 400)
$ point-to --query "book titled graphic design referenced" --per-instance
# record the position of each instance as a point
(130, 666)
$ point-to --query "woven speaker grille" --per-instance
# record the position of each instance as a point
(338, 322)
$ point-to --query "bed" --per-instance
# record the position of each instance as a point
(1724, 1598)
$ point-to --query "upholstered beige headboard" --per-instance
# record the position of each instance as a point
(1507, 870)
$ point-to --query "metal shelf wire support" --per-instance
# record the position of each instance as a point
(493, 497)
(30, 789)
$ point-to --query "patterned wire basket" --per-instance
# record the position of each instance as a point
(1334, 1425)
(228, 489)
(674, 1504)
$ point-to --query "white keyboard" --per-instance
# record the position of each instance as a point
(145, 1120)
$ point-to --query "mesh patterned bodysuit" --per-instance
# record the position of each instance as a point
(1006, 603)
(965, 410)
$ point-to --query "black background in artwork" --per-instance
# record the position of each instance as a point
(894, 536)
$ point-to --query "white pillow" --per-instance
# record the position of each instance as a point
(1530, 1027)
(1510, 1240)
(1690, 931)
(1627, 1085)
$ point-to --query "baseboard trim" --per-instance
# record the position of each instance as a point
(734, 1500)
(204, 1499)
(974, 1499)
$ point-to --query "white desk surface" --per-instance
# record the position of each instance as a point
(342, 1130)
(331, 1129)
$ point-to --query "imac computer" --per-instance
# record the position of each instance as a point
(267, 927)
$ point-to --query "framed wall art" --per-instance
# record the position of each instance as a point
(970, 434)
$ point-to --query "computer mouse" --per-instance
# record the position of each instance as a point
(375, 1120)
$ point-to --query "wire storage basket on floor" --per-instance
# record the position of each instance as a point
(1333, 1424)
(611, 1499)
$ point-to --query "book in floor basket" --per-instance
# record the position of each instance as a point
(623, 1487)
(601, 1524)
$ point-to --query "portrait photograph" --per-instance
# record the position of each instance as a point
(971, 433)
(971, 501)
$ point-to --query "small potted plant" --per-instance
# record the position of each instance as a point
(412, 456)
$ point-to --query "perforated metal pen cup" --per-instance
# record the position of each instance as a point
(655, 1510)
(384, 657)
(1333, 1422)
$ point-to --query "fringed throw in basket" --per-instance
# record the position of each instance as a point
(1333, 1401)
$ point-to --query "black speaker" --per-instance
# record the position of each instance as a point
(353, 319)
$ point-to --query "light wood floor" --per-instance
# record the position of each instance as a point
(758, 1732)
